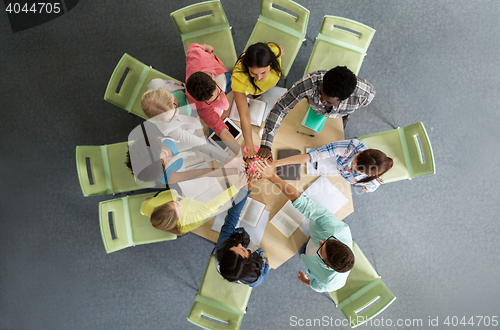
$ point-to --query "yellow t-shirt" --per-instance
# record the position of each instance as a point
(240, 81)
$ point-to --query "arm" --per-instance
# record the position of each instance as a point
(287, 102)
(232, 217)
(229, 140)
(197, 218)
(297, 159)
(198, 173)
(266, 171)
(246, 126)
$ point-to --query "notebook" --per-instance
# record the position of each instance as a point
(313, 121)
(288, 219)
(288, 172)
(256, 108)
(252, 211)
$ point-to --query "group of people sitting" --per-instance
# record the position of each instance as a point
(160, 146)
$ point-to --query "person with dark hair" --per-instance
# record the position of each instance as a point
(327, 255)
(256, 71)
(207, 80)
(236, 262)
(356, 163)
(334, 93)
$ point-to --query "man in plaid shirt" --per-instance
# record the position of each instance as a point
(333, 94)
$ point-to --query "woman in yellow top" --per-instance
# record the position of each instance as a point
(256, 71)
(188, 214)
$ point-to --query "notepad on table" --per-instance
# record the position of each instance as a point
(313, 121)
(252, 211)
(288, 219)
(256, 108)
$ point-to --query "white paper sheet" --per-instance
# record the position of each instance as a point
(201, 189)
(326, 195)
(255, 233)
(326, 166)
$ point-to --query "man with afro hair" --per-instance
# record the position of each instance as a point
(333, 93)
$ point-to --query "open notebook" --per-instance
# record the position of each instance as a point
(288, 219)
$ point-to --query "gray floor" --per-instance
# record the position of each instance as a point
(434, 239)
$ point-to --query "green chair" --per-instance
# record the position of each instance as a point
(364, 295)
(340, 42)
(410, 149)
(128, 82)
(123, 225)
(211, 28)
(102, 170)
(219, 304)
(277, 25)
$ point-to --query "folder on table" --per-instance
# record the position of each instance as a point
(313, 121)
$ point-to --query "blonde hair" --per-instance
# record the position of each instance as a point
(164, 217)
(157, 101)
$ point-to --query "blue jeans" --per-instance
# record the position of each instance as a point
(303, 248)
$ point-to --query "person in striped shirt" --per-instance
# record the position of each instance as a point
(356, 163)
(334, 93)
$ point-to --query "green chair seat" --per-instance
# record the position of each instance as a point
(128, 82)
(123, 225)
(410, 149)
(220, 300)
(212, 29)
(340, 42)
(364, 295)
(282, 28)
(102, 170)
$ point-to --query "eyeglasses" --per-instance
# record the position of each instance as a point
(317, 252)
(176, 111)
(220, 92)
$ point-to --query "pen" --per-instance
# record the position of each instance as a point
(305, 134)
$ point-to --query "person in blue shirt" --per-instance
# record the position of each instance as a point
(327, 255)
(236, 262)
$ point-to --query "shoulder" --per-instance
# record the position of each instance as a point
(274, 48)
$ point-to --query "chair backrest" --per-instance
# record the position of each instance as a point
(283, 22)
(122, 224)
(102, 170)
(298, 22)
(206, 23)
(340, 42)
(128, 82)
(410, 149)
(419, 149)
(364, 295)
(219, 304)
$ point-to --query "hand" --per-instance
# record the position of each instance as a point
(242, 180)
(209, 49)
(264, 169)
(303, 278)
(265, 153)
(236, 162)
(267, 260)
(365, 190)
(253, 178)
(282, 50)
(250, 152)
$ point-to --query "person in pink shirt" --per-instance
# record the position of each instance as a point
(206, 82)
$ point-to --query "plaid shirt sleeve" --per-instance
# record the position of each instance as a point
(341, 149)
(297, 92)
(361, 97)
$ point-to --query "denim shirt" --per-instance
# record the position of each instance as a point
(229, 227)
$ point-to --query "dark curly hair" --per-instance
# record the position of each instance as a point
(339, 256)
(339, 82)
(259, 55)
(234, 267)
(201, 86)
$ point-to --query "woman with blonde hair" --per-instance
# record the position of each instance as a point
(179, 217)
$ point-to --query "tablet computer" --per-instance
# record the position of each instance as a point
(233, 129)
